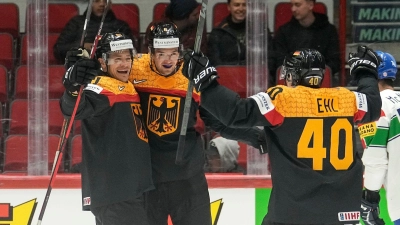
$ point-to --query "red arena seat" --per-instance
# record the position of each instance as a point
(9, 19)
(158, 10)
(234, 78)
(7, 54)
(220, 11)
(129, 13)
(60, 14)
(16, 152)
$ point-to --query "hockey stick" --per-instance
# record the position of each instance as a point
(67, 124)
(188, 99)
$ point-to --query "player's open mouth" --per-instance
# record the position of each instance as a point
(122, 71)
(167, 66)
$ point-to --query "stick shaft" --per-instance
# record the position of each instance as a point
(67, 125)
(189, 92)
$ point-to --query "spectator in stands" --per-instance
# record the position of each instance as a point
(227, 41)
(308, 29)
(222, 156)
(184, 14)
(70, 37)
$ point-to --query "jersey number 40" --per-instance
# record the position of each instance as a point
(313, 136)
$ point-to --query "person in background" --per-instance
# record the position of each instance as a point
(185, 15)
(116, 165)
(381, 156)
(227, 42)
(316, 172)
(71, 35)
(308, 29)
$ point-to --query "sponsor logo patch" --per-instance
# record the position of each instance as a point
(94, 88)
(367, 130)
(349, 216)
(264, 102)
(86, 201)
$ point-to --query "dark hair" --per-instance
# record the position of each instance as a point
(180, 9)
(388, 82)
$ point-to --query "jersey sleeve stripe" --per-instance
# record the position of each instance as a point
(362, 106)
(267, 108)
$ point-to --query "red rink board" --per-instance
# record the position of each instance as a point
(11, 180)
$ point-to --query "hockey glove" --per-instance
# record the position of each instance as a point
(370, 208)
(74, 55)
(196, 67)
(364, 61)
(256, 138)
(83, 72)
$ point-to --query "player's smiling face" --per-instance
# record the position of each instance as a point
(119, 65)
(165, 60)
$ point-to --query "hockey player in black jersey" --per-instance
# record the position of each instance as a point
(181, 190)
(116, 156)
(317, 173)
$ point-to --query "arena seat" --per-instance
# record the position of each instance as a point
(52, 39)
(326, 83)
(60, 14)
(283, 12)
(234, 78)
(129, 13)
(158, 10)
(220, 11)
(56, 88)
(9, 19)
(16, 152)
(3, 85)
(7, 50)
(19, 117)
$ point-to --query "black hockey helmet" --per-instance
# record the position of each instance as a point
(164, 30)
(165, 35)
(111, 42)
(306, 66)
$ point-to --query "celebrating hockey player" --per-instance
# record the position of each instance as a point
(181, 190)
(317, 173)
(116, 167)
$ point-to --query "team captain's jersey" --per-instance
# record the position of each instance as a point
(162, 99)
(115, 152)
(382, 156)
(316, 172)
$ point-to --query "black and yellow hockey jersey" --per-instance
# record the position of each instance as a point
(162, 100)
(316, 171)
(114, 141)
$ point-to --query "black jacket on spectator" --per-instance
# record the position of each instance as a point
(227, 43)
(71, 35)
(321, 35)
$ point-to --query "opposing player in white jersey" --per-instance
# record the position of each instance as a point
(382, 154)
